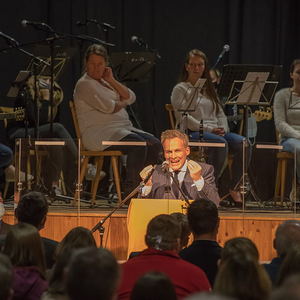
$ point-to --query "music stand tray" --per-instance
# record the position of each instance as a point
(132, 66)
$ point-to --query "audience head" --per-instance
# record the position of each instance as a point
(203, 218)
(92, 274)
(240, 274)
(185, 228)
(6, 277)
(163, 233)
(290, 289)
(287, 234)
(32, 209)
(24, 247)
(76, 238)
(95, 61)
(208, 296)
(290, 265)
(176, 149)
(153, 286)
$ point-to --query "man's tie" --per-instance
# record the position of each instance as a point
(175, 184)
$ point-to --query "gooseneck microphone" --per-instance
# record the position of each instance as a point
(225, 49)
(9, 39)
(137, 40)
(38, 25)
(88, 21)
(26, 23)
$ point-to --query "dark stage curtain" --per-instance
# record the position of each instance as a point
(258, 32)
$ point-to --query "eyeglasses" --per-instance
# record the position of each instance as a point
(196, 65)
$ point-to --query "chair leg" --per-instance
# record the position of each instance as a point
(115, 167)
(277, 182)
(283, 174)
(95, 184)
(5, 189)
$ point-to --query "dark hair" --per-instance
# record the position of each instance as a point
(208, 89)
(203, 216)
(240, 245)
(32, 209)
(163, 233)
(92, 274)
(185, 228)
(290, 265)
(240, 274)
(24, 247)
(6, 276)
(287, 234)
(293, 64)
(153, 286)
(76, 238)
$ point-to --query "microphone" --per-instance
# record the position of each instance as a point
(9, 39)
(225, 49)
(38, 25)
(103, 24)
(79, 23)
(137, 40)
(25, 23)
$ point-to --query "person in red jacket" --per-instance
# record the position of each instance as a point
(163, 241)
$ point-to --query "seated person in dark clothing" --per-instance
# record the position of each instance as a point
(37, 124)
(287, 235)
(204, 252)
(33, 209)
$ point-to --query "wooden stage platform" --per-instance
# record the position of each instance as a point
(259, 226)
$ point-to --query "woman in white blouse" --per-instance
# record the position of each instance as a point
(100, 102)
(205, 109)
(287, 114)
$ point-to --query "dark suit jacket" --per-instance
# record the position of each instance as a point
(204, 254)
(161, 185)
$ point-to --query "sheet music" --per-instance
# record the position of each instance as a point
(252, 87)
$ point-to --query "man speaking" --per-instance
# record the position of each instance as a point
(178, 177)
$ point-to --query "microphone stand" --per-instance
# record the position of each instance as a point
(99, 226)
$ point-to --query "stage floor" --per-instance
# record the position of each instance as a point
(257, 224)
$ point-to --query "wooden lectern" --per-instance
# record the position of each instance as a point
(141, 211)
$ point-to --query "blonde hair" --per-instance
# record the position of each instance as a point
(173, 133)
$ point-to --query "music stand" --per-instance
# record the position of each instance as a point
(187, 103)
(233, 72)
(132, 66)
(251, 91)
(54, 69)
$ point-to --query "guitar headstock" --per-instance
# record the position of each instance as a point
(19, 114)
(263, 113)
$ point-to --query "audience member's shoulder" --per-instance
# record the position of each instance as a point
(49, 242)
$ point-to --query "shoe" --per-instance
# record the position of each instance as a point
(10, 173)
(91, 172)
(57, 190)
